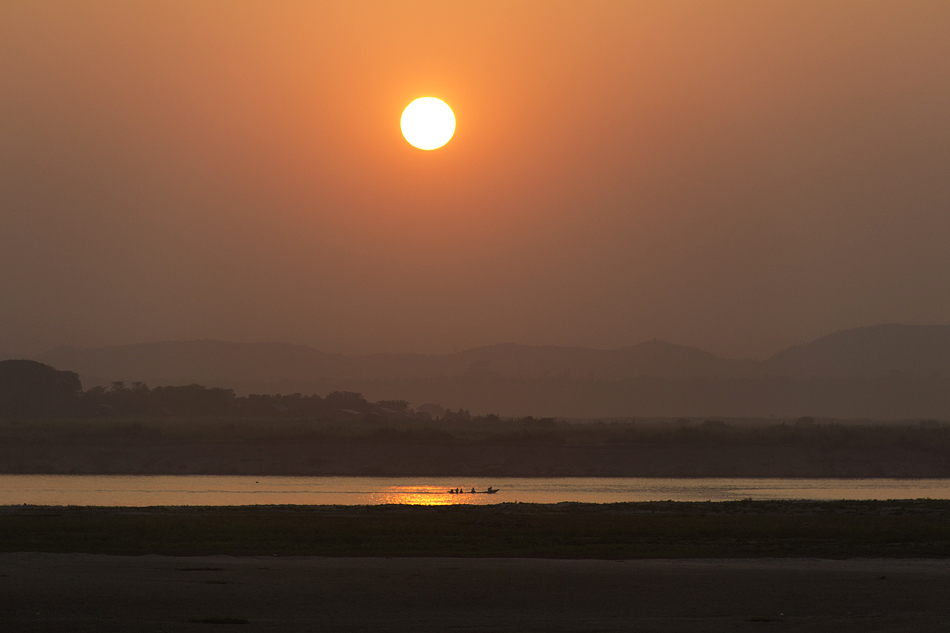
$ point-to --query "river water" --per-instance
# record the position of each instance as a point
(178, 490)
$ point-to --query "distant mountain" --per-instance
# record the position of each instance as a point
(652, 358)
(195, 361)
(218, 362)
(883, 372)
(862, 352)
(878, 350)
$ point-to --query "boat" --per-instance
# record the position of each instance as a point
(460, 491)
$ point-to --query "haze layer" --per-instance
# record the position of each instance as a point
(736, 176)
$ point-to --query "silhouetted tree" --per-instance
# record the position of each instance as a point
(347, 400)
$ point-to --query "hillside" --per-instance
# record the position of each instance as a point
(879, 350)
(239, 363)
(882, 372)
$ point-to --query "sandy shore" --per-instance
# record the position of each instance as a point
(83, 592)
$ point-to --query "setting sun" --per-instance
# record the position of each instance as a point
(428, 123)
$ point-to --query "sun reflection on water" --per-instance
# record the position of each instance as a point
(429, 496)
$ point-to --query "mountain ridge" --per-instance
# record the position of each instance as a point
(863, 352)
(875, 350)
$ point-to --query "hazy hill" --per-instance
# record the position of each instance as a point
(220, 362)
(33, 389)
(652, 358)
(882, 372)
(862, 352)
(195, 361)
(879, 350)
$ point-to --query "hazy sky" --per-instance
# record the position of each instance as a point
(737, 176)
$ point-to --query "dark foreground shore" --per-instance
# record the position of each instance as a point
(83, 592)
(737, 566)
(742, 529)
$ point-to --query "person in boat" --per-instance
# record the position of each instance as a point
(473, 491)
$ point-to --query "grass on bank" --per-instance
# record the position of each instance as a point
(488, 431)
(611, 531)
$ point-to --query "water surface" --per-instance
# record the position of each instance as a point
(151, 490)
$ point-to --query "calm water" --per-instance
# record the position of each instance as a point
(145, 490)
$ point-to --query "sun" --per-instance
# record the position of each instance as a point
(428, 123)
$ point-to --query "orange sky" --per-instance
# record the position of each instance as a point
(734, 175)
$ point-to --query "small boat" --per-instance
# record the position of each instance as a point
(461, 491)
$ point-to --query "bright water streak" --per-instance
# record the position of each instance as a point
(174, 490)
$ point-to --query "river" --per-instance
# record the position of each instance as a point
(212, 490)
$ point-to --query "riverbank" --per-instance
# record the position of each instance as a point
(105, 594)
(313, 458)
(744, 529)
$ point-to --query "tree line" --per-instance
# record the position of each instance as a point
(29, 389)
